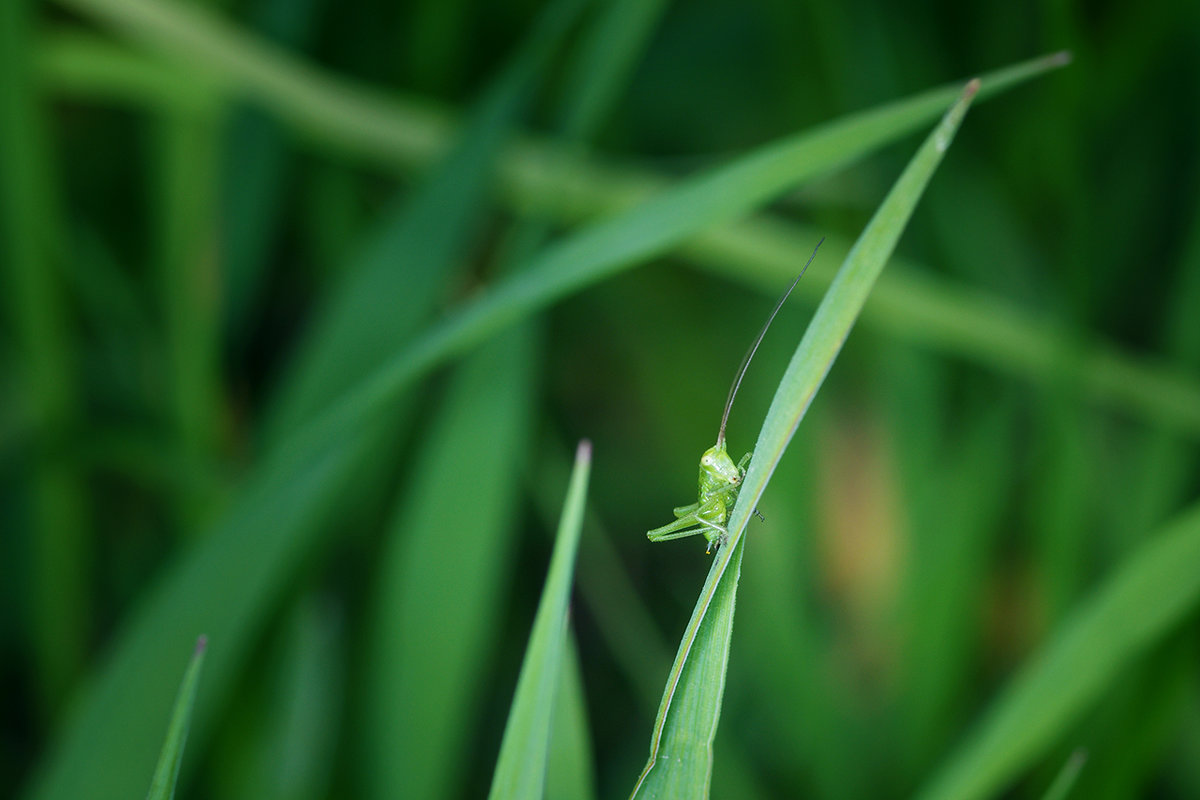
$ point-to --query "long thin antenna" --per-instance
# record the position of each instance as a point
(741, 373)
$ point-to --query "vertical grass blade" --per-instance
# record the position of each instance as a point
(442, 574)
(569, 771)
(680, 762)
(36, 315)
(521, 767)
(189, 278)
(166, 773)
(1154, 589)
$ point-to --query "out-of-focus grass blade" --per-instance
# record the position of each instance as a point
(521, 767)
(58, 544)
(1067, 776)
(231, 581)
(189, 265)
(441, 577)
(426, 663)
(1133, 609)
(570, 774)
(257, 159)
(390, 292)
(680, 763)
(955, 500)
(917, 307)
(608, 247)
(166, 773)
(291, 756)
(906, 303)
(350, 116)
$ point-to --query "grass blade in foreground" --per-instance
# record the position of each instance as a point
(1153, 591)
(162, 787)
(680, 763)
(570, 774)
(521, 768)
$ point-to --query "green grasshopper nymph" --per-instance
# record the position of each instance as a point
(720, 478)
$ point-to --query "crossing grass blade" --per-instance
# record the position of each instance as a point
(680, 762)
(521, 767)
(166, 773)
(1146, 597)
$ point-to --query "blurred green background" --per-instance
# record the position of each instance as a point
(218, 216)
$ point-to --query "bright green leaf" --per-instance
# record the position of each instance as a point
(521, 767)
(680, 763)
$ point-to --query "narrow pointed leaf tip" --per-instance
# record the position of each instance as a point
(681, 743)
(521, 767)
(166, 773)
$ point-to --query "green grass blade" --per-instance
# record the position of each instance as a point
(955, 495)
(931, 312)
(521, 767)
(400, 273)
(426, 661)
(189, 263)
(231, 581)
(442, 576)
(36, 316)
(348, 115)
(257, 161)
(680, 763)
(1153, 590)
(339, 113)
(291, 754)
(570, 774)
(1067, 777)
(911, 304)
(908, 304)
(166, 773)
(609, 247)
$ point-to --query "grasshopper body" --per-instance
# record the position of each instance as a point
(720, 477)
